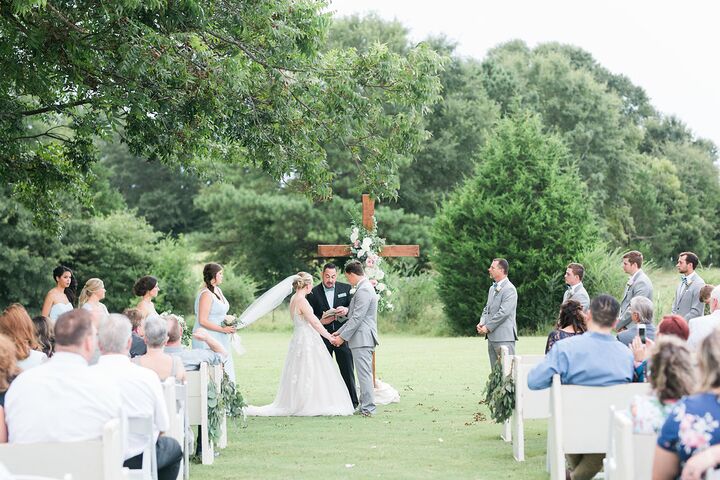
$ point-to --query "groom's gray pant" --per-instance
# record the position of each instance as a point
(362, 358)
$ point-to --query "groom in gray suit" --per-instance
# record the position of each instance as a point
(497, 322)
(687, 301)
(639, 285)
(360, 332)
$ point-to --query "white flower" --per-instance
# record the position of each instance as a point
(365, 247)
(379, 274)
(388, 293)
(354, 235)
(353, 290)
(380, 287)
(370, 272)
(389, 306)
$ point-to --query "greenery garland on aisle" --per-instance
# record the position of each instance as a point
(499, 394)
(230, 402)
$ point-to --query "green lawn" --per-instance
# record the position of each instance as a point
(438, 430)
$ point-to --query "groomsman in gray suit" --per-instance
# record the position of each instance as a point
(497, 322)
(360, 332)
(574, 274)
(687, 301)
(639, 285)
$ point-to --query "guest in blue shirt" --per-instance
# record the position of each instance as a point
(595, 359)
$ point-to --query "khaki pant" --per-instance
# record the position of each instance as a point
(584, 466)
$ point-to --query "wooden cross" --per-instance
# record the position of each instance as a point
(368, 212)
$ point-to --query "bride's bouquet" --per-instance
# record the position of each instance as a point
(235, 341)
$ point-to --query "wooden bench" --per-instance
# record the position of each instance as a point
(629, 455)
(579, 419)
(197, 407)
(88, 460)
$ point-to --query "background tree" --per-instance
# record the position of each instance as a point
(526, 203)
(194, 82)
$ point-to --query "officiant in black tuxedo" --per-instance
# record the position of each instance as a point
(333, 294)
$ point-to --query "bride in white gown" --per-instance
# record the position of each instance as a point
(310, 384)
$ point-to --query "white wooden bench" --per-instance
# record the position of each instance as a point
(579, 419)
(175, 401)
(144, 427)
(629, 455)
(89, 460)
(197, 407)
(529, 404)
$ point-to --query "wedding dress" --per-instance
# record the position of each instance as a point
(310, 384)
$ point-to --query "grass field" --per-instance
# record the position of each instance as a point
(438, 430)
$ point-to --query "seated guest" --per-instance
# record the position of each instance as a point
(44, 334)
(641, 312)
(138, 342)
(594, 358)
(8, 371)
(141, 394)
(63, 400)
(700, 327)
(18, 326)
(693, 423)
(704, 294)
(571, 322)
(165, 365)
(674, 325)
(192, 358)
(672, 376)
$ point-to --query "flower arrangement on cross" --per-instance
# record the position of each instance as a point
(366, 246)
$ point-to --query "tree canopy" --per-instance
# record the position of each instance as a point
(196, 82)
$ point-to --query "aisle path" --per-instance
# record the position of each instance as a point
(434, 432)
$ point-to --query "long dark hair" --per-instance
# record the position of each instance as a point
(209, 272)
(571, 314)
(70, 291)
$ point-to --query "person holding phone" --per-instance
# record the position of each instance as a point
(641, 315)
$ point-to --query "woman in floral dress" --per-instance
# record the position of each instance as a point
(693, 424)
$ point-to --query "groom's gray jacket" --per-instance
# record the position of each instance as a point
(360, 329)
(499, 312)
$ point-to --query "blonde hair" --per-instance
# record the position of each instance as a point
(672, 374)
(301, 280)
(709, 361)
(91, 286)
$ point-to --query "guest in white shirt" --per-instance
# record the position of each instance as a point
(17, 324)
(62, 400)
(141, 394)
(701, 327)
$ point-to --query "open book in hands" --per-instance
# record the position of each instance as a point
(333, 313)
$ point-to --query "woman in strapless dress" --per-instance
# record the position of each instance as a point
(61, 297)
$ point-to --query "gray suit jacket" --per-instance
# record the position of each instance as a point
(687, 299)
(499, 313)
(360, 329)
(627, 336)
(640, 287)
(579, 294)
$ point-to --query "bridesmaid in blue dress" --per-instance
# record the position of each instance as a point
(211, 309)
(61, 297)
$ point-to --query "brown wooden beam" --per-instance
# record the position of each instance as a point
(387, 251)
(368, 212)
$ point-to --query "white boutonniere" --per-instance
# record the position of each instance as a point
(498, 288)
(353, 290)
(688, 283)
